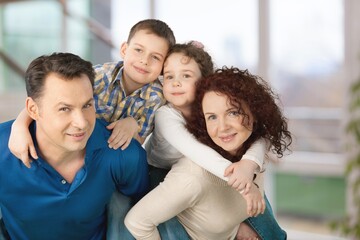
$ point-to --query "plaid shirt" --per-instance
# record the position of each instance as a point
(112, 104)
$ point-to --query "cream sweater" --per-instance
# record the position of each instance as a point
(204, 204)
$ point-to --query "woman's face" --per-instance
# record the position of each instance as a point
(225, 125)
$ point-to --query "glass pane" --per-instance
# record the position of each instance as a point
(307, 54)
(123, 18)
(31, 29)
(228, 29)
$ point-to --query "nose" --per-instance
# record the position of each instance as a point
(144, 61)
(176, 83)
(79, 120)
(222, 124)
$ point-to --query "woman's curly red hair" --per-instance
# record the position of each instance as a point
(242, 87)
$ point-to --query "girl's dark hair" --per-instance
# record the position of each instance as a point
(242, 87)
(66, 65)
(195, 50)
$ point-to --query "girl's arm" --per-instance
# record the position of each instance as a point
(240, 171)
(171, 125)
(20, 141)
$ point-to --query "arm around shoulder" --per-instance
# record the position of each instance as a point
(171, 125)
(256, 153)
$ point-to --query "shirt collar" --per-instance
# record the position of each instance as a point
(97, 140)
(99, 137)
(141, 92)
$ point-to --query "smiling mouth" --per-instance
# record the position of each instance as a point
(227, 138)
(77, 136)
(140, 70)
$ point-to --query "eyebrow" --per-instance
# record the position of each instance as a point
(183, 71)
(69, 105)
(208, 113)
(156, 53)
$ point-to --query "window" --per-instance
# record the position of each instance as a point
(34, 28)
(307, 61)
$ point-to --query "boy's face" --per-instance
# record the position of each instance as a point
(64, 114)
(180, 75)
(143, 58)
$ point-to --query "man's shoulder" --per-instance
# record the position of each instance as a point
(100, 131)
(5, 129)
(101, 134)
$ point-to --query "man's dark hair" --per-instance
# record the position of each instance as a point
(66, 65)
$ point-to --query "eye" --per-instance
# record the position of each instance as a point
(88, 105)
(234, 113)
(156, 58)
(211, 117)
(64, 109)
(168, 77)
(187, 76)
(138, 50)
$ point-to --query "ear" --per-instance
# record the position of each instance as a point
(123, 48)
(32, 108)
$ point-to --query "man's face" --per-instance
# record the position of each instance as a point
(64, 114)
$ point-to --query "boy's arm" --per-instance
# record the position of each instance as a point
(139, 125)
(123, 131)
(20, 141)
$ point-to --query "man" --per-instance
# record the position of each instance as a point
(65, 193)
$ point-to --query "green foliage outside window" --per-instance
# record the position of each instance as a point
(351, 225)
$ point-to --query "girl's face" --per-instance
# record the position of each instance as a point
(180, 76)
(224, 124)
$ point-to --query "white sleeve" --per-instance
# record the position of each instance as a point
(256, 153)
(171, 125)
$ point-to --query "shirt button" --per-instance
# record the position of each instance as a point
(63, 181)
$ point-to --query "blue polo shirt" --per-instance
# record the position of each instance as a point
(37, 203)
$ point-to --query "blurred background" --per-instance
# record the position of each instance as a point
(308, 50)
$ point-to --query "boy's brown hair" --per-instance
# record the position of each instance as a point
(156, 27)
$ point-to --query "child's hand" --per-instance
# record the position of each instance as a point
(21, 144)
(123, 131)
(241, 175)
(255, 201)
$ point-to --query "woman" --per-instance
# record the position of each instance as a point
(232, 109)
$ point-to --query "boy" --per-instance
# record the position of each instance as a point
(126, 93)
